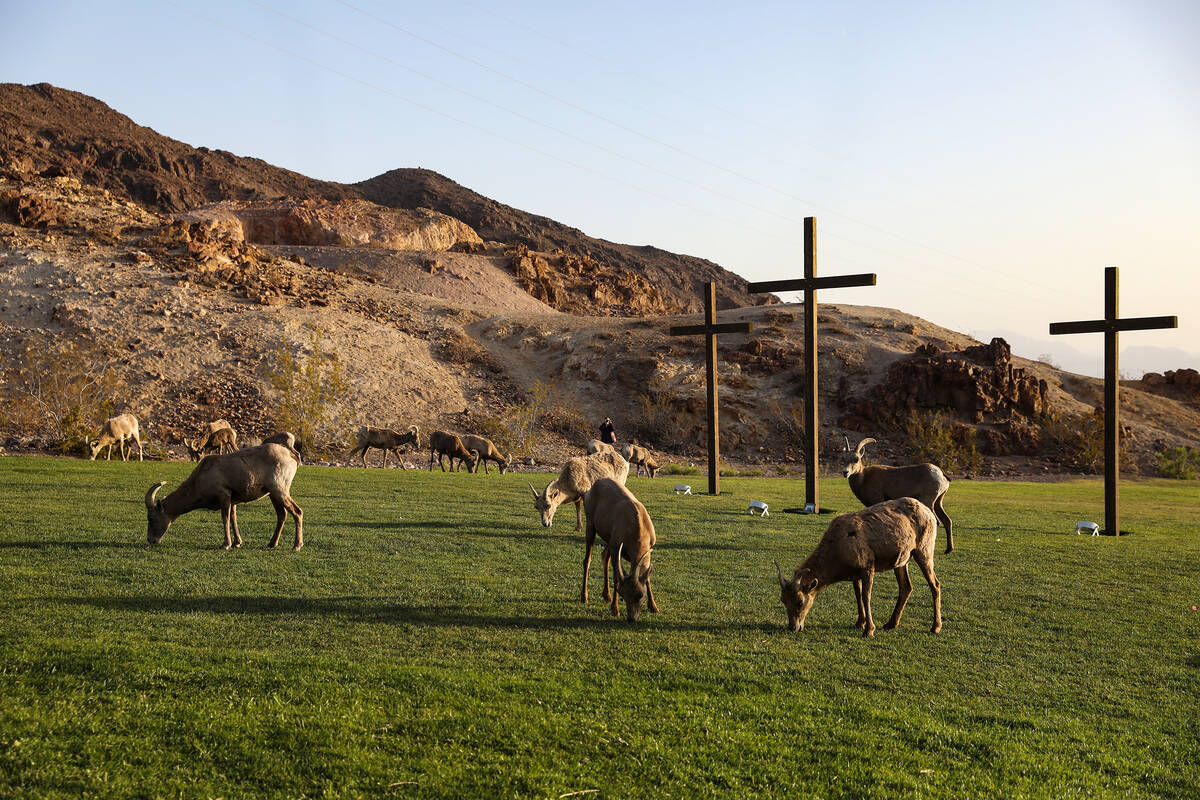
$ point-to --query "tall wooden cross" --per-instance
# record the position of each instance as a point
(1110, 326)
(809, 284)
(709, 330)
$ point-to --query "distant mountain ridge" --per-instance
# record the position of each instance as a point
(48, 131)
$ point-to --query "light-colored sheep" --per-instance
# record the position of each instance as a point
(874, 484)
(574, 479)
(443, 444)
(854, 546)
(224, 481)
(621, 522)
(385, 439)
(640, 457)
(484, 452)
(217, 435)
(116, 430)
(596, 446)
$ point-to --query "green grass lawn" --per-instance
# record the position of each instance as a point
(428, 642)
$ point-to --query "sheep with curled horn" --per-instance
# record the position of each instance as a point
(221, 482)
(875, 484)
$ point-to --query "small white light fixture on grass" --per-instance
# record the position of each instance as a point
(681, 488)
(760, 506)
(1084, 525)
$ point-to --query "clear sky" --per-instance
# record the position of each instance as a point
(987, 160)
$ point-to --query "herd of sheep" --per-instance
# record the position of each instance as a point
(899, 524)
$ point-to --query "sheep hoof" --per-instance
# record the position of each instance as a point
(936, 629)
(868, 633)
(891, 626)
(296, 547)
(225, 546)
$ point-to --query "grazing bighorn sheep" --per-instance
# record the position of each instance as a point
(640, 457)
(116, 430)
(443, 444)
(574, 479)
(621, 522)
(484, 452)
(384, 439)
(883, 536)
(286, 439)
(223, 481)
(871, 485)
(596, 446)
(218, 435)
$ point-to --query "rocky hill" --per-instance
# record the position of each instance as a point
(178, 283)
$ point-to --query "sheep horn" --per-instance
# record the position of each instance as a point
(620, 573)
(153, 490)
(637, 570)
(847, 438)
(536, 496)
(863, 444)
(779, 569)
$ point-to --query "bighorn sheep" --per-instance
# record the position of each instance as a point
(574, 479)
(621, 522)
(384, 439)
(871, 485)
(640, 457)
(443, 444)
(116, 430)
(223, 481)
(484, 452)
(596, 446)
(883, 536)
(212, 438)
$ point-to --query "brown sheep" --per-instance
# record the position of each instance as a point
(443, 444)
(883, 536)
(621, 522)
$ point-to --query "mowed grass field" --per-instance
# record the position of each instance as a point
(428, 642)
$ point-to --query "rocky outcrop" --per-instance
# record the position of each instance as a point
(1177, 384)
(349, 223)
(978, 385)
(580, 285)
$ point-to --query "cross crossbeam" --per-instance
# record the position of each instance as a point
(809, 284)
(709, 331)
(1110, 326)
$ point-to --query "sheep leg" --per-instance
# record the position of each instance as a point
(925, 562)
(613, 607)
(868, 577)
(653, 606)
(861, 622)
(587, 563)
(905, 584)
(605, 561)
(226, 510)
(578, 513)
(385, 454)
(237, 535)
(298, 516)
(944, 518)
(139, 444)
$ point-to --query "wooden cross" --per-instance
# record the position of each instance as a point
(809, 284)
(1110, 326)
(709, 330)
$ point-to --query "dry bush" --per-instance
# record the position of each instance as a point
(661, 422)
(66, 390)
(311, 390)
(935, 438)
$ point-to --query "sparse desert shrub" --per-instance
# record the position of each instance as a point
(66, 390)
(660, 421)
(1181, 463)
(1079, 439)
(730, 472)
(311, 390)
(933, 437)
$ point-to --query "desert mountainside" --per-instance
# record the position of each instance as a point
(191, 271)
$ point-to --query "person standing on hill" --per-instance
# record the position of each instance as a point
(608, 434)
